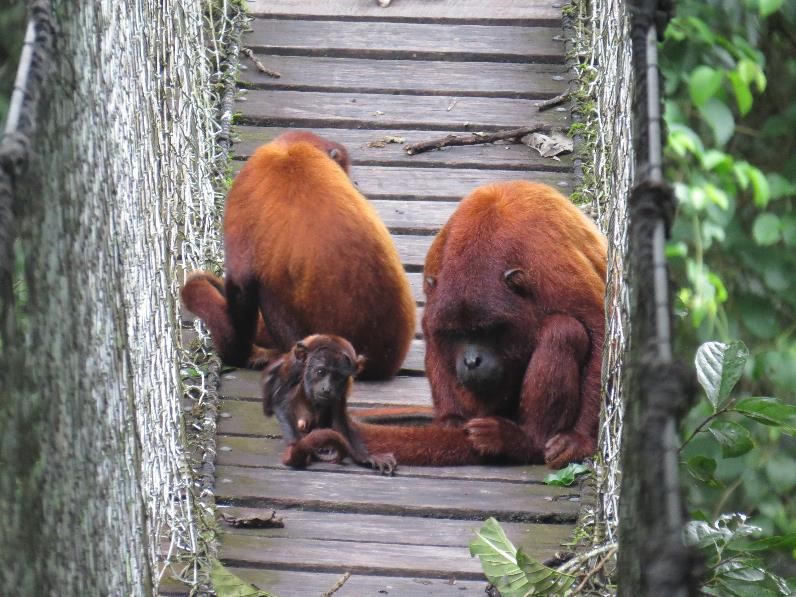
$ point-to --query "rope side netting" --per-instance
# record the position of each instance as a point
(109, 190)
(603, 58)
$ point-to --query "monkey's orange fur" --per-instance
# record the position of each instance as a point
(308, 251)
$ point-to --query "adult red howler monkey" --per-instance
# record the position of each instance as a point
(514, 330)
(305, 249)
(307, 389)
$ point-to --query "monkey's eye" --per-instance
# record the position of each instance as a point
(320, 371)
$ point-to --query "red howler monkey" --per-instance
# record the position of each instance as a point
(304, 249)
(514, 329)
(307, 389)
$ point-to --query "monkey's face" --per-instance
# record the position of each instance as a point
(327, 376)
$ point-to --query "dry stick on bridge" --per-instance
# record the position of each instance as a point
(475, 138)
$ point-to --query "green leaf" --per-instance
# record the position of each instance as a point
(227, 584)
(734, 439)
(788, 225)
(544, 580)
(497, 554)
(743, 95)
(760, 188)
(512, 572)
(787, 541)
(703, 84)
(720, 118)
(702, 469)
(766, 229)
(768, 411)
(768, 7)
(719, 367)
(567, 475)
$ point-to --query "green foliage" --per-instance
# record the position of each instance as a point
(729, 71)
(227, 584)
(513, 573)
(567, 475)
(732, 569)
(719, 367)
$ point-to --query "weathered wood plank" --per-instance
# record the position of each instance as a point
(412, 249)
(538, 540)
(401, 391)
(413, 217)
(379, 111)
(439, 184)
(409, 77)
(313, 555)
(312, 584)
(411, 496)
(495, 156)
(267, 453)
(525, 11)
(407, 41)
(446, 184)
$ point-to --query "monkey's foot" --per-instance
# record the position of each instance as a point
(563, 448)
(384, 463)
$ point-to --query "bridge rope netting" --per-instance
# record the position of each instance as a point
(113, 169)
(110, 171)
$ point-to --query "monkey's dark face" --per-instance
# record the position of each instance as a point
(479, 367)
(327, 376)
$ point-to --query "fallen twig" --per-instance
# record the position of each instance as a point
(338, 585)
(474, 139)
(595, 570)
(260, 66)
(552, 102)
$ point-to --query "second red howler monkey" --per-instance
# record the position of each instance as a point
(307, 389)
(307, 252)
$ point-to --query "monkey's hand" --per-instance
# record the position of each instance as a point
(566, 447)
(384, 463)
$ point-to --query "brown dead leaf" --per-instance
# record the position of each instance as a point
(263, 519)
(385, 140)
(549, 146)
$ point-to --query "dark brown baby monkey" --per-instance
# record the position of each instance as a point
(307, 389)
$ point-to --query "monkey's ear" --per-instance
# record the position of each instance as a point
(300, 351)
(360, 364)
(429, 284)
(334, 153)
(519, 281)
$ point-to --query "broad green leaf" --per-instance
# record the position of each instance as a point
(768, 411)
(498, 556)
(766, 229)
(720, 118)
(768, 7)
(544, 580)
(779, 186)
(743, 95)
(719, 367)
(734, 439)
(760, 189)
(702, 469)
(567, 475)
(227, 584)
(787, 541)
(703, 84)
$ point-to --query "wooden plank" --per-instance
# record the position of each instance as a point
(376, 494)
(496, 11)
(439, 184)
(408, 77)
(443, 184)
(403, 390)
(414, 217)
(495, 156)
(413, 249)
(379, 111)
(406, 41)
(313, 555)
(538, 540)
(312, 584)
(266, 452)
